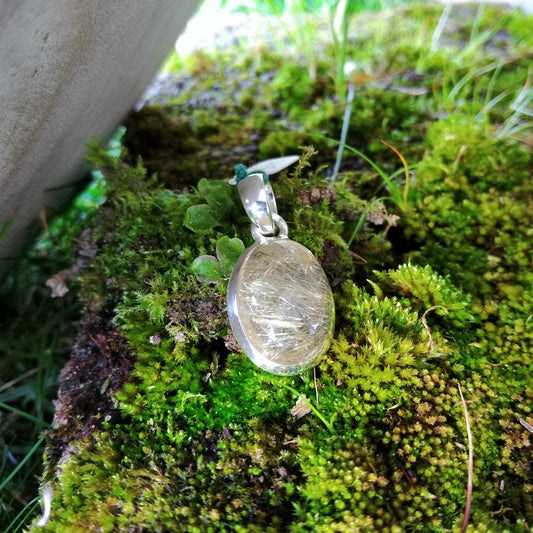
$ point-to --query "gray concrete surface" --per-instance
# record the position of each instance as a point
(69, 69)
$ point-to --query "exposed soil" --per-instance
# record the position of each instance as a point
(100, 363)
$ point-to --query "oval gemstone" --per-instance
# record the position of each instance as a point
(280, 306)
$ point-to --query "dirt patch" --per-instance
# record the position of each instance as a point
(100, 363)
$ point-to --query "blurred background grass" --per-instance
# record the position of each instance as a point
(36, 334)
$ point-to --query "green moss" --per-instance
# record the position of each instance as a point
(428, 291)
(430, 295)
(467, 168)
(207, 442)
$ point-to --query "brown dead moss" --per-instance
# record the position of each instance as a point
(100, 363)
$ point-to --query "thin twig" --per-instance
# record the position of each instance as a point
(316, 384)
(426, 327)
(9, 384)
(328, 425)
(406, 169)
(526, 424)
(468, 503)
(462, 150)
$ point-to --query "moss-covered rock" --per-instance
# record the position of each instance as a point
(433, 297)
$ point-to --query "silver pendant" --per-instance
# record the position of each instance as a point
(280, 304)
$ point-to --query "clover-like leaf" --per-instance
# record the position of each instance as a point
(200, 218)
(217, 195)
(210, 269)
(219, 207)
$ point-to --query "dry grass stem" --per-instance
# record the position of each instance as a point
(468, 503)
(426, 327)
(316, 384)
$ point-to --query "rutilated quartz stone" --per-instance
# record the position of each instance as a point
(280, 306)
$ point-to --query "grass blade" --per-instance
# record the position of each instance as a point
(21, 464)
(23, 414)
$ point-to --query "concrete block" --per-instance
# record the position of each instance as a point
(69, 69)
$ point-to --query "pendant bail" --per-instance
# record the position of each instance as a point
(280, 305)
(258, 200)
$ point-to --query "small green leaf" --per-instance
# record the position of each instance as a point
(200, 218)
(219, 207)
(228, 252)
(217, 269)
(217, 195)
(207, 268)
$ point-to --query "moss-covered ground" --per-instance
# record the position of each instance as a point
(163, 425)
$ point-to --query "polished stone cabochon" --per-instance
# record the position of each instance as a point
(280, 306)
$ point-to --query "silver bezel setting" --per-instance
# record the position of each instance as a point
(236, 319)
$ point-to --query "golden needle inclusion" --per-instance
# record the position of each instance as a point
(280, 306)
